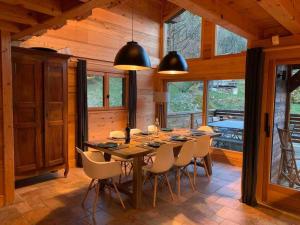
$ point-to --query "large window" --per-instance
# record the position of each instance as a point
(185, 104)
(183, 34)
(228, 42)
(225, 109)
(106, 91)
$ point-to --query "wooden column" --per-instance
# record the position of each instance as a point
(204, 105)
(7, 116)
(208, 39)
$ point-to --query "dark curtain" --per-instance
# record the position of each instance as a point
(161, 114)
(253, 93)
(82, 112)
(132, 99)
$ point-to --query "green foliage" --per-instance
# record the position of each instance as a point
(184, 35)
(115, 91)
(188, 96)
(228, 42)
(95, 91)
(185, 96)
(223, 98)
(295, 101)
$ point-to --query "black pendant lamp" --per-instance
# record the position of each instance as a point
(173, 63)
(132, 56)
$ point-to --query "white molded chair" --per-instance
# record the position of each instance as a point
(201, 149)
(117, 134)
(98, 169)
(182, 161)
(162, 164)
(135, 131)
(151, 128)
(207, 129)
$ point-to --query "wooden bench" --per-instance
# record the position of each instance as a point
(228, 113)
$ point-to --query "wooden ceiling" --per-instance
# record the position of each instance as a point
(253, 19)
(24, 18)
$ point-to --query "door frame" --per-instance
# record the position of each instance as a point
(267, 193)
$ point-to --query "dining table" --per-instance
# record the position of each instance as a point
(137, 149)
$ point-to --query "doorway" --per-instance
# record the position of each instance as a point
(281, 167)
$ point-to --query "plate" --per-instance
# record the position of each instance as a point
(179, 138)
(167, 129)
(154, 144)
(108, 145)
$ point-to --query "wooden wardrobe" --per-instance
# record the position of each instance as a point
(40, 111)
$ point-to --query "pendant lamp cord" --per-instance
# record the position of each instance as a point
(132, 19)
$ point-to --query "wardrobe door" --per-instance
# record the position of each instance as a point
(55, 109)
(27, 103)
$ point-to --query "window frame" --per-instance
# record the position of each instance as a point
(106, 76)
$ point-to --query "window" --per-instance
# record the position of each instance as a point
(106, 91)
(116, 91)
(185, 104)
(225, 109)
(183, 34)
(95, 90)
(228, 42)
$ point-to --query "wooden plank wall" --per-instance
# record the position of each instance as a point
(1, 141)
(98, 38)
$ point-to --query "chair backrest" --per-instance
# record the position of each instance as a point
(164, 158)
(98, 169)
(206, 129)
(201, 147)
(186, 153)
(135, 131)
(151, 128)
(288, 154)
(117, 134)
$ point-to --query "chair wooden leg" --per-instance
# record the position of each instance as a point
(125, 168)
(169, 186)
(119, 196)
(87, 192)
(206, 170)
(97, 188)
(188, 174)
(178, 182)
(195, 170)
(155, 190)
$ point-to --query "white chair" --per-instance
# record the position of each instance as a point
(135, 131)
(97, 169)
(182, 161)
(201, 149)
(207, 129)
(162, 164)
(118, 134)
(152, 128)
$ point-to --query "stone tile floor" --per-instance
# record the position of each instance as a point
(54, 200)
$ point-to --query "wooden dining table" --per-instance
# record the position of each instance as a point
(137, 150)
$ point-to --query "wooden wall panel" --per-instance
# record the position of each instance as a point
(97, 39)
(1, 137)
(71, 111)
(102, 122)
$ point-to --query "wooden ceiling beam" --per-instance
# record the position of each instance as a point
(73, 13)
(8, 26)
(284, 12)
(16, 14)
(292, 40)
(218, 12)
(49, 7)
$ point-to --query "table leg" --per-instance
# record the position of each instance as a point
(208, 162)
(137, 181)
